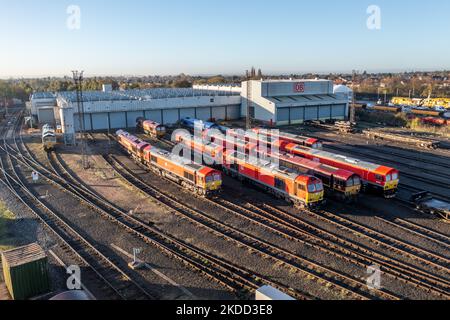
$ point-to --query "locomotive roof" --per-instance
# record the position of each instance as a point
(337, 157)
(317, 166)
(186, 163)
(284, 134)
(266, 164)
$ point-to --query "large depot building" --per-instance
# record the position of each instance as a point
(285, 102)
(275, 102)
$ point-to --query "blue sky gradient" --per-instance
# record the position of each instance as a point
(141, 37)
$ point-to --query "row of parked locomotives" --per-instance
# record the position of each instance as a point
(373, 176)
(339, 183)
(300, 189)
(339, 176)
(198, 178)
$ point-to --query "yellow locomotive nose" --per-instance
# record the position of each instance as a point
(352, 190)
(391, 185)
(214, 186)
(315, 197)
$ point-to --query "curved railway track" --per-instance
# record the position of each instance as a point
(389, 242)
(348, 249)
(414, 176)
(352, 286)
(397, 270)
(230, 275)
(396, 153)
(98, 269)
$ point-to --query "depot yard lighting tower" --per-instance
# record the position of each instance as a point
(353, 107)
(78, 79)
(248, 124)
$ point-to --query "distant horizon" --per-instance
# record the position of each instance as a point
(47, 38)
(223, 74)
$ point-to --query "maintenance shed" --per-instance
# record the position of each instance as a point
(120, 109)
(286, 102)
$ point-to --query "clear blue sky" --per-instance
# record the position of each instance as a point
(227, 36)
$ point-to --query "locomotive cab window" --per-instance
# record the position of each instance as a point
(154, 159)
(280, 184)
(378, 177)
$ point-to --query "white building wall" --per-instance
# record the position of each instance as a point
(170, 103)
(38, 103)
(286, 110)
(296, 87)
(264, 109)
(217, 88)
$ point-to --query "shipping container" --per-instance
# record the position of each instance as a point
(25, 271)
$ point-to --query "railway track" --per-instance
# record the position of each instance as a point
(414, 190)
(308, 268)
(230, 275)
(98, 269)
(444, 164)
(361, 255)
(397, 269)
(392, 243)
(414, 176)
(140, 230)
(418, 230)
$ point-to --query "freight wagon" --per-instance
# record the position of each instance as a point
(424, 112)
(387, 109)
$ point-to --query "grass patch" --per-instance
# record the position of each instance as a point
(6, 219)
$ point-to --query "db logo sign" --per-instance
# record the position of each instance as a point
(299, 87)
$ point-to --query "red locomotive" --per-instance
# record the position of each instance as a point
(197, 178)
(380, 178)
(343, 184)
(299, 189)
(152, 128)
(303, 190)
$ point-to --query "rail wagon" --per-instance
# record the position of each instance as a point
(152, 128)
(301, 190)
(432, 113)
(380, 178)
(199, 179)
(49, 139)
(387, 109)
(342, 184)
